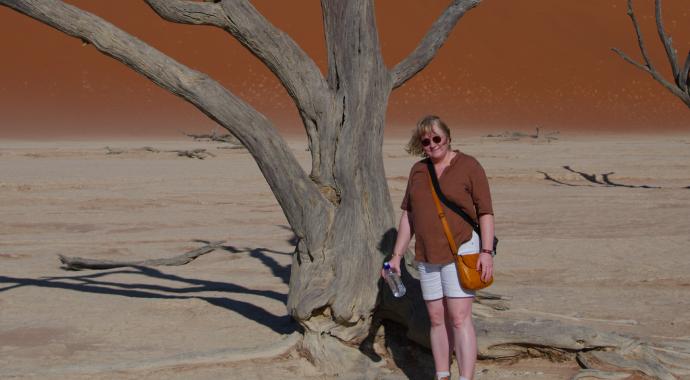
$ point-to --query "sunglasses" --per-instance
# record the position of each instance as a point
(436, 139)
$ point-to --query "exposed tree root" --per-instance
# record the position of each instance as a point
(629, 322)
(79, 263)
(586, 374)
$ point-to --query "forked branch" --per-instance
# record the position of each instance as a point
(666, 41)
(294, 191)
(294, 68)
(432, 41)
(680, 87)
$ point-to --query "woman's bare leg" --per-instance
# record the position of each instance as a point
(460, 310)
(440, 347)
(449, 331)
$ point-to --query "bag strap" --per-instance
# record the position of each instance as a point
(442, 216)
(435, 186)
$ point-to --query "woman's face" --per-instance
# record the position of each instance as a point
(435, 143)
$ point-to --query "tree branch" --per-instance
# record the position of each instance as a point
(190, 12)
(676, 90)
(280, 53)
(630, 60)
(432, 41)
(294, 191)
(79, 263)
(296, 71)
(684, 81)
(666, 41)
(293, 67)
(638, 33)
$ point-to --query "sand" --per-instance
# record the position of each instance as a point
(611, 257)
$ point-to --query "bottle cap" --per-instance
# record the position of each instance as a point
(386, 265)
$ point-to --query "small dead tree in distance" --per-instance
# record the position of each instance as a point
(681, 85)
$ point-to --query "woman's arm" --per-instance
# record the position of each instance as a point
(401, 242)
(486, 261)
(486, 225)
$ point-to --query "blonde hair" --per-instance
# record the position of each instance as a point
(424, 126)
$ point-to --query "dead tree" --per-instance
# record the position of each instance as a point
(681, 85)
(341, 212)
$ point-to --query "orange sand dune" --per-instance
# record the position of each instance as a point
(508, 65)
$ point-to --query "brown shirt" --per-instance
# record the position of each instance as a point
(464, 183)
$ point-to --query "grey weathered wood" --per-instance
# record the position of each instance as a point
(680, 87)
(199, 154)
(666, 41)
(189, 12)
(350, 170)
(79, 263)
(214, 136)
(294, 68)
(684, 80)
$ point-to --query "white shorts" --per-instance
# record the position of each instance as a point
(441, 280)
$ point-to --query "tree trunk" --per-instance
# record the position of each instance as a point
(334, 289)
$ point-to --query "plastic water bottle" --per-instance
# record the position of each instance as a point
(394, 281)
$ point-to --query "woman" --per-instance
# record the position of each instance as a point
(463, 182)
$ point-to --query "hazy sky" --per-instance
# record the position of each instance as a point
(509, 64)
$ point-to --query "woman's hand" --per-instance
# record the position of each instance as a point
(401, 243)
(485, 264)
(394, 262)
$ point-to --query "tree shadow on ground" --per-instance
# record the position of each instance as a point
(605, 180)
(413, 359)
(280, 271)
(387, 335)
(192, 288)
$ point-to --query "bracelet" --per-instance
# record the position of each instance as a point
(489, 251)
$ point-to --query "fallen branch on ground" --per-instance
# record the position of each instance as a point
(539, 135)
(79, 263)
(193, 153)
(214, 136)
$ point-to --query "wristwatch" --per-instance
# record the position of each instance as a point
(489, 251)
